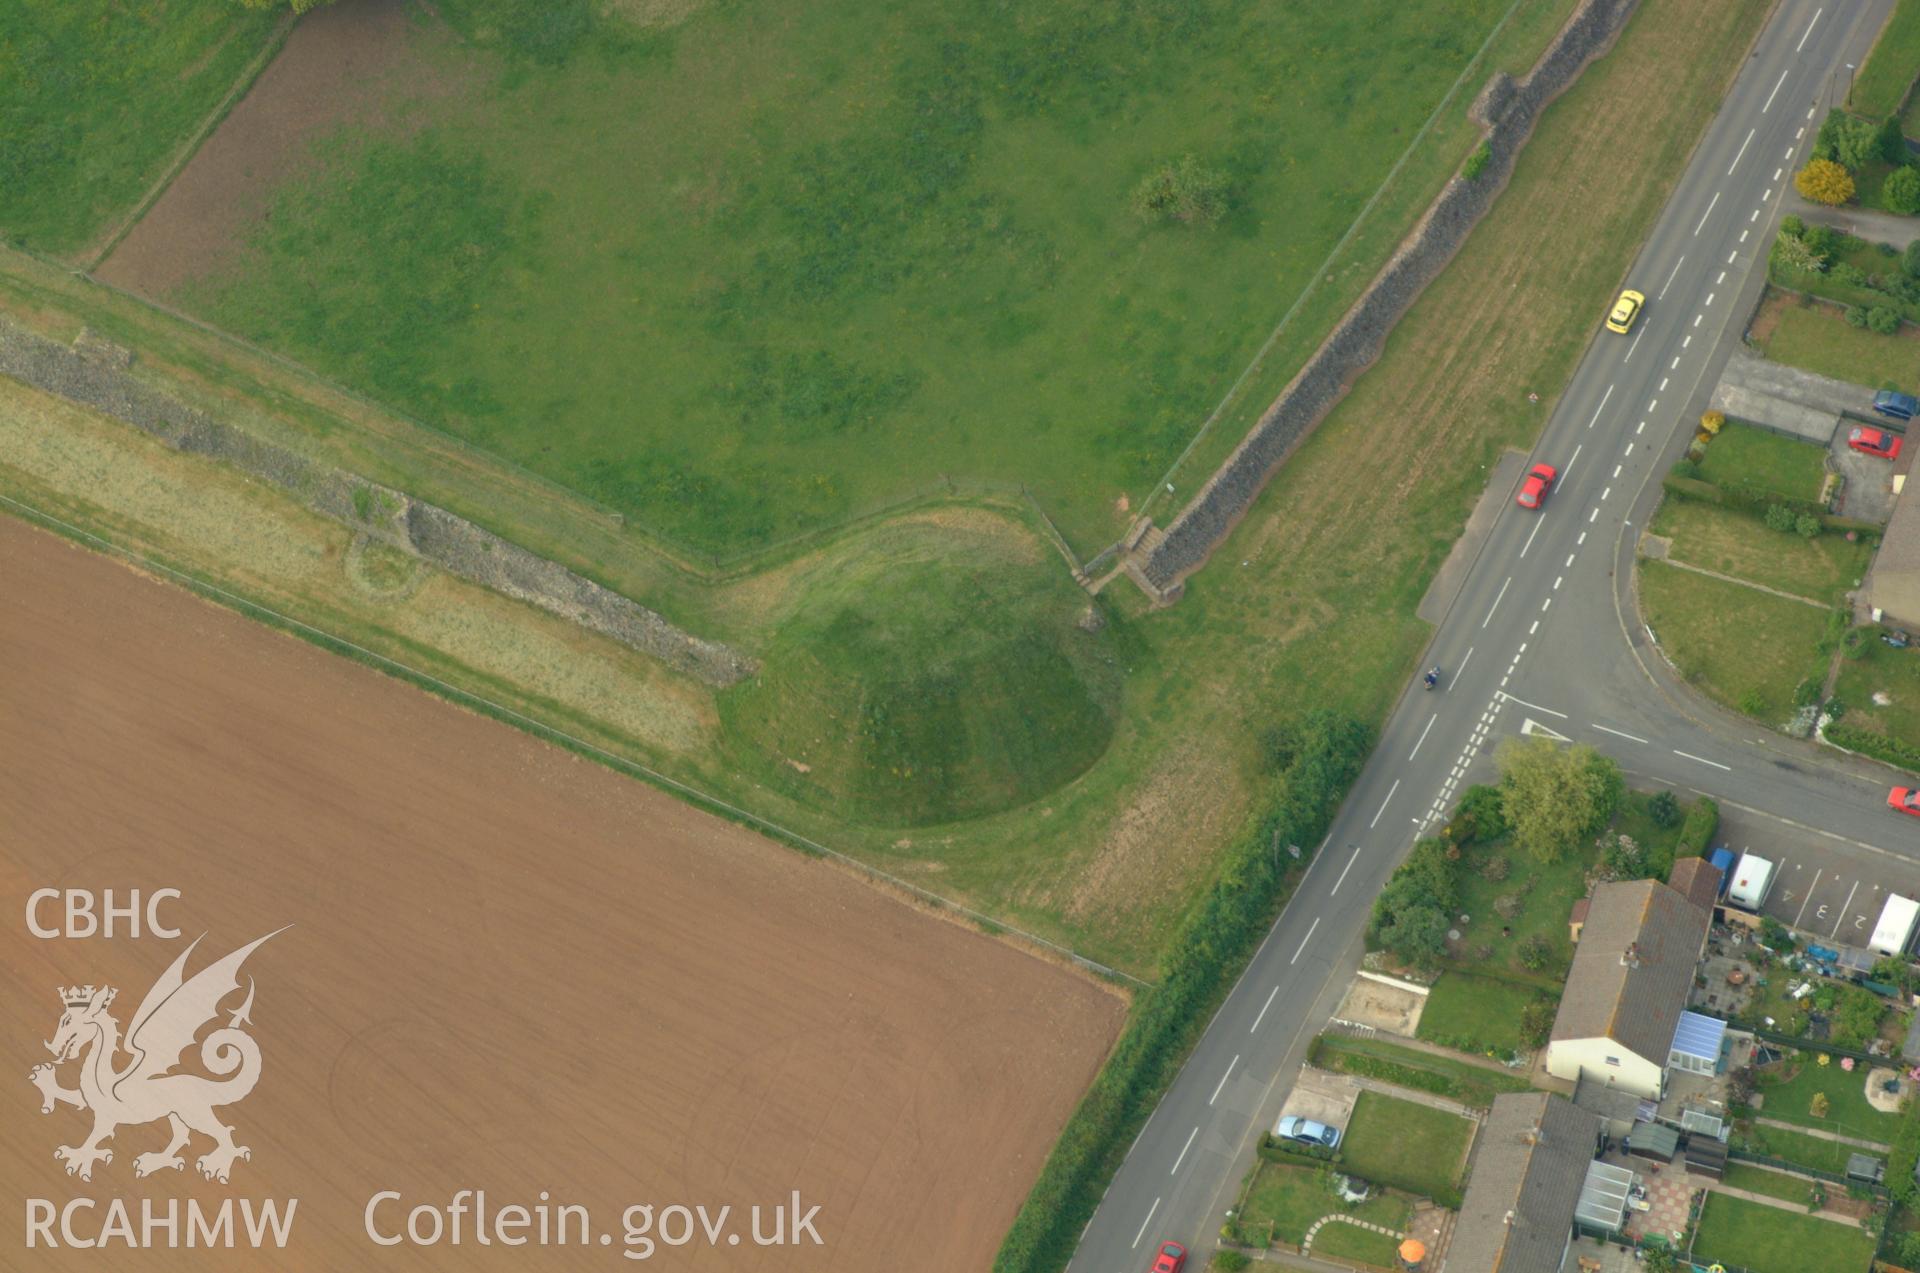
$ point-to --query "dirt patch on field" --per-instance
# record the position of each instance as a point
(509, 969)
(351, 62)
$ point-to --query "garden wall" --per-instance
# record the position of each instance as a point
(1507, 109)
(95, 374)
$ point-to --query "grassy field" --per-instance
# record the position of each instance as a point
(95, 97)
(1891, 66)
(1736, 543)
(1790, 1088)
(1478, 1014)
(1884, 671)
(1334, 567)
(1755, 459)
(1290, 1199)
(1818, 338)
(1405, 1145)
(1389, 1062)
(1774, 1184)
(815, 283)
(1747, 649)
(1768, 1240)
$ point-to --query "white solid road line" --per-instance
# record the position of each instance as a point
(1223, 1078)
(1144, 1223)
(1183, 1151)
(1535, 706)
(1741, 154)
(1763, 109)
(1707, 213)
(1536, 530)
(1603, 405)
(1808, 897)
(1384, 803)
(1619, 733)
(1423, 735)
(1635, 345)
(1303, 950)
(1576, 455)
(1809, 30)
(1276, 990)
(1669, 283)
(1455, 678)
(1702, 759)
(1496, 603)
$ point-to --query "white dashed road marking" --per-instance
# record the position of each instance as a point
(1223, 1079)
(1383, 804)
(1702, 759)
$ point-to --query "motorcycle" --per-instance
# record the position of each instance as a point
(1432, 677)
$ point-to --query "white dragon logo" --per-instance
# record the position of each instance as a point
(144, 1090)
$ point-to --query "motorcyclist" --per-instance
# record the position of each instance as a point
(1433, 677)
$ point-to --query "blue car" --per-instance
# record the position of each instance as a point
(1895, 405)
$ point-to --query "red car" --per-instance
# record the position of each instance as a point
(1172, 1258)
(1875, 442)
(1533, 491)
(1905, 799)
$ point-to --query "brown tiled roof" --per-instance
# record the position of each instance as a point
(1633, 968)
(1697, 880)
(1529, 1165)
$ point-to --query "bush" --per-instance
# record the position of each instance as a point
(1856, 316)
(1901, 193)
(1848, 275)
(1495, 868)
(1480, 817)
(1806, 525)
(1883, 320)
(1411, 915)
(1857, 1017)
(1536, 953)
(1774, 935)
(1476, 162)
(1910, 259)
(1183, 191)
(1869, 743)
(1820, 1106)
(1686, 470)
(1711, 422)
(1857, 643)
(1778, 517)
(1228, 1261)
(1664, 808)
(1792, 226)
(1217, 937)
(1536, 1022)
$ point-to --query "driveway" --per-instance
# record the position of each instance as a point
(1867, 223)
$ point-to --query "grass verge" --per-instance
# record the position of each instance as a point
(1817, 337)
(1378, 1058)
(1891, 64)
(1747, 649)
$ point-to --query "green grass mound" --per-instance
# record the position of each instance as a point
(912, 692)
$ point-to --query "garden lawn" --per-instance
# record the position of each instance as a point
(1388, 1062)
(1754, 459)
(1886, 671)
(1850, 1113)
(1775, 1184)
(1766, 1239)
(1406, 1146)
(1348, 1241)
(1891, 65)
(1748, 649)
(1811, 1152)
(1291, 1198)
(1734, 542)
(97, 95)
(1818, 338)
(1478, 1014)
(782, 264)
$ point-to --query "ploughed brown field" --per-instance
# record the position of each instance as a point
(508, 970)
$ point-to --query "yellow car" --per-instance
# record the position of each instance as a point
(1625, 310)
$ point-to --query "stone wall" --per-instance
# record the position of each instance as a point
(1507, 110)
(94, 373)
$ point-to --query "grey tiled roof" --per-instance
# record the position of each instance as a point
(1633, 968)
(1529, 1165)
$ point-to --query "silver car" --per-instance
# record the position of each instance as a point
(1307, 1132)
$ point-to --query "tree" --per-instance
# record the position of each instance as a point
(1848, 140)
(1664, 808)
(1902, 190)
(1181, 191)
(1883, 320)
(1824, 181)
(1892, 141)
(1778, 517)
(1910, 260)
(1793, 253)
(1554, 797)
(1409, 923)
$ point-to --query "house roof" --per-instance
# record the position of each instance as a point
(1633, 968)
(1529, 1167)
(1893, 582)
(1697, 880)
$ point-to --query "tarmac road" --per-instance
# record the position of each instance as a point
(1541, 636)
